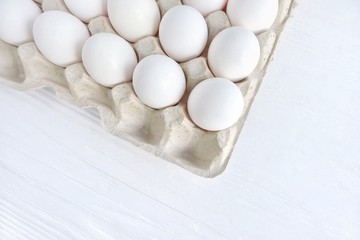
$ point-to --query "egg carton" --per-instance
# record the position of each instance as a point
(168, 133)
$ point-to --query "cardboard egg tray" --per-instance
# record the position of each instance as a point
(168, 133)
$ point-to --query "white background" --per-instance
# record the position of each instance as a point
(294, 174)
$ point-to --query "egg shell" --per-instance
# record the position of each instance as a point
(159, 81)
(234, 53)
(169, 133)
(86, 10)
(60, 37)
(256, 15)
(183, 33)
(109, 59)
(134, 19)
(205, 7)
(16, 20)
(215, 104)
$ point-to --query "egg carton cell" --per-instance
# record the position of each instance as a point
(168, 133)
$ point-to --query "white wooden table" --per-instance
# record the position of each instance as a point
(295, 172)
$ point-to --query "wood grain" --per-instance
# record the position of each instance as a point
(295, 173)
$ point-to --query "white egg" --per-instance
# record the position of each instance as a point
(183, 33)
(134, 19)
(234, 53)
(215, 104)
(16, 20)
(205, 6)
(60, 37)
(86, 10)
(109, 59)
(159, 81)
(256, 15)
